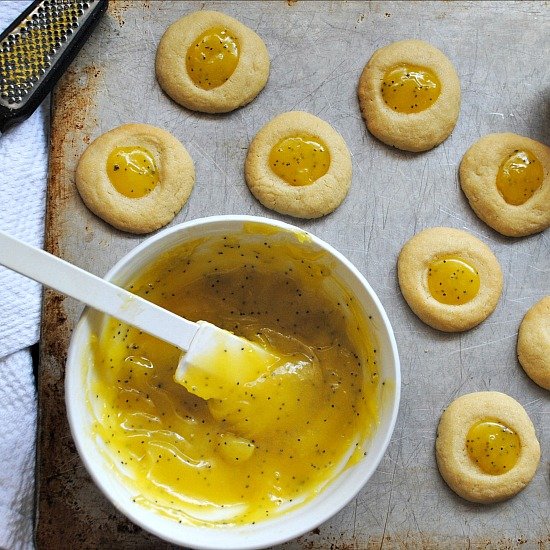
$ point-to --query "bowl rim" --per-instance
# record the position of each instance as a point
(247, 537)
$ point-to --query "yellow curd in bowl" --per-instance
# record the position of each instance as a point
(265, 446)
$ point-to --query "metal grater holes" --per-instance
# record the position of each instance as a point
(29, 50)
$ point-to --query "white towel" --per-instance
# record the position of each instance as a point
(23, 169)
(17, 432)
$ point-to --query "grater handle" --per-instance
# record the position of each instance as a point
(10, 115)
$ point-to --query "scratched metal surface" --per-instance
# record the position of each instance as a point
(318, 49)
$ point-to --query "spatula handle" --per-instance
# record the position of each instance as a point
(97, 293)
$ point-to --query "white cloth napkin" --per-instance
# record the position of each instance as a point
(23, 169)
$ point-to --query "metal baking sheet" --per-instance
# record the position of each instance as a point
(318, 49)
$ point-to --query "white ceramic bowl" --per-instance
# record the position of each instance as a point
(262, 534)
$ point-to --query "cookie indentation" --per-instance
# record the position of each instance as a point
(410, 88)
(132, 171)
(452, 280)
(506, 179)
(210, 62)
(136, 177)
(519, 176)
(299, 165)
(300, 160)
(409, 94)
(493, 446)
(486, 447)
(212, 58)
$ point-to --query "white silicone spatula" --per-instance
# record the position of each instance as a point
(208, 348)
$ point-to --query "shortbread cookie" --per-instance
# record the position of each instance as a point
(534, 343)
(210, 62)
(449, 278)
(409, 95)
(506, 179)
(486, 447)
(136, 177)
(299, 165)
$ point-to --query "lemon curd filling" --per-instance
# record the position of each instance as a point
(260, 447)
(212, 57)
(452, 280)
(519, 176)
(300, 160)
(410, 88)
(132, 171)
(493, 446)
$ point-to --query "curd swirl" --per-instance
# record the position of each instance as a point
(263, 446)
